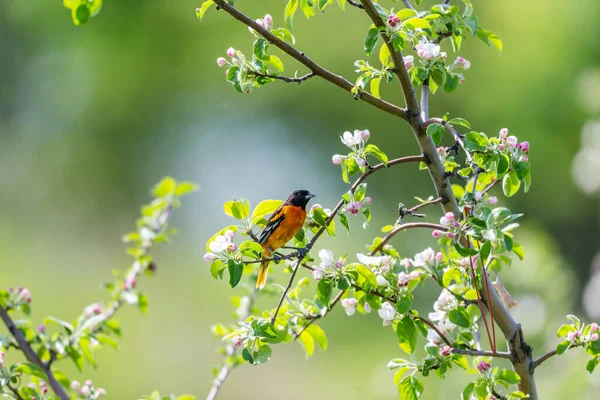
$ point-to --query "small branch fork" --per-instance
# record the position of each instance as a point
(287, 79)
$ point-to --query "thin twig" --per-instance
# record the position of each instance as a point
(31, 355)
(407, 4)
(355, 4)
(286, 78)
(404, 227)
(287, 288)
(427, 203)
(309, 63)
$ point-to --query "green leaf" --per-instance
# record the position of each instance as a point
(263, 208)
(407, 334)
(564, 330)
(489, 38)
(143, 303)
(485, 250)
(461, 361)
(510, 184)
(403, 305)
(319, 335)
(451, 274)
(406, 13)
(81, 14)
(410, 388)
(184, 188)
(262, 355)
(76, 356)
(522, 169)
(368, 274)
(473, 24)
(308, 8)
(460, 317)
(562, 347)
(463, 251)
(476, 141)
(344, 221)
(436, 132)
(104, 339)
(290, 10)
(503, 165)
(238, 209)
(518, 250)
(452, 82)
(308, 342)
(203, 8)
(371, 39)
(374, 151)
(324, 290)
(186, 397)
(508, 376)
(31, 369)
(591, 365)
(461, 122)
(416, 23)
(384, 56)
(360, 192)
(518, 395)
(274, 62)
(165, 187)
(375, 83)
(235, 272)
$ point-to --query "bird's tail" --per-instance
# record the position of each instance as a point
(262, 272)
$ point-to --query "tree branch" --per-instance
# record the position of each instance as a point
(286, 78)
(355, 4)
(31, 355)
(310, 64)
(404, 227)
(337, 298)
(425, 99)
(287, 288)
(407, 4)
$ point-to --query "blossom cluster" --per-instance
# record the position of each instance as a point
(356, 142)
(221, 246)
(576, 337)
(354, 207)
(442, 307)
(88, 390)
(231, 53)
(520, 150)
(327, 261)
(20, 295)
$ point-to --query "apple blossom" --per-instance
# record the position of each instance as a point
(572, 336)
(427, 50)
(337, 159)
(351, 140)
(439, 257)
(594, 337)
(387, 312)
(210, 257)
(367, 307)
(222, 62)
(231, 52)
(409, 61)
(512, 141)
(493, 200)
(436, 233)
(361, 162)
(381, 281)
(503, 133)
(393, 20)
(524, 146)
(349, 305)
(268, 21)
(483, 366)
(466, 64)
(446, 350)
(403, 279)
(405, 262)
(593, 327)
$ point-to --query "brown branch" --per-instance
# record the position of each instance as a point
(407, 4)
(427, 203)
(286, 78)
(355, 4)
(287, 288)
(425, 99)
(404, 227)
(309, 63)
(31, 355)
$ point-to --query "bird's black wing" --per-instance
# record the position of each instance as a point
(276, 219)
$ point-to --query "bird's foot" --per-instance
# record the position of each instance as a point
(302, 252)
(276, 258)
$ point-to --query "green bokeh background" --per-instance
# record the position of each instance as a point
(91, 117)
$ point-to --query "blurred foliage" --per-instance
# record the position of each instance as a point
(91, 116)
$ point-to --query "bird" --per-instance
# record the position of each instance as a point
(282, 226)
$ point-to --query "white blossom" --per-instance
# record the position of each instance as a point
(349, 305)
(424, 258)
(220, 244)
(387, 312)
(428, 50)
(351, 140)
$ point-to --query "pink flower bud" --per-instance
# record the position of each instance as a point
(493, 200)
(317, 273)
(368, 200)
(450, 215)
(32, 386)
(268, 21)
(594, 337)
(222, 62)
(483, 366)
(337, 159)
(85, 390)
(512, 141)
(232, 247)
(361, 162)
(436, 233)
(466, 64)
(393, 20)
(237, 341)
(439, 257)
(229, 234)
(525, 158)
(449, 234)
(1, 362)
(409, 61)
(75, 385)
(403, 279)
(415, 274)
(405, 262)
(503, 133)
(525, 146)
(231, 52)
(44, 389)
(101, 392)
(500, 147)
(96, 310)
(339, 264)
(365, 134)
(42, 328)
(456, 224)
(446, 350)
(210, 257)
(445, 221)
(260, 23)
(593, 327)
(461, 79)
(572, 336)
(367, 307)
(89, 383)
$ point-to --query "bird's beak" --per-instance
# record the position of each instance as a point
(310, 195)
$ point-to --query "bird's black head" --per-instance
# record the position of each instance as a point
(300, 198)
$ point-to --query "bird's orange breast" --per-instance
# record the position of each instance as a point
(291, 224)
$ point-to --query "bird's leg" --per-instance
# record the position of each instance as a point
(302, 252)
(276, 258)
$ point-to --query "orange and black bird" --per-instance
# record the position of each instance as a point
(283, 225)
